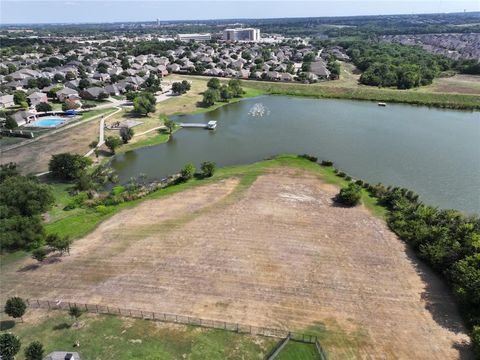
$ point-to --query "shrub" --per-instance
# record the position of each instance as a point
(15, 307)
(9, 346)
(43, 107)
(77, 201)
(327, 163)
(359, 182)
(312, 158)
(348, 178)
(102, 209)
(113, 142)
(341, 174)
(187, 172)
(39, 254)
(349, 195)
(208, 168)
(34, 351)
(118, 190)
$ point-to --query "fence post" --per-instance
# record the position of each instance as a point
(38, 302)
(176, 318)
(96, 308)
(86, 308)
(48, 303)
(141, 313)
(224, 325)
(130, 311)
(153, 315)
(108, 310)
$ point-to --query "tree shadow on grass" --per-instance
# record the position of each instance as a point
(30, 267)
(6, 325)
(440, 303)
(62, 326)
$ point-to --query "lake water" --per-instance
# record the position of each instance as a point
(434, 152)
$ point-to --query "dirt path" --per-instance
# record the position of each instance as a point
(278, 255)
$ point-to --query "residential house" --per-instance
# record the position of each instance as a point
(66, 93)
(37, 98)
(6, 101)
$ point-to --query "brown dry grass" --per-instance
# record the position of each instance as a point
(34, 157)
(278, 254)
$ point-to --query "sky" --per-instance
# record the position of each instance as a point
(81, 11)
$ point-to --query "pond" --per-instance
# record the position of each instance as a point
(434, 152)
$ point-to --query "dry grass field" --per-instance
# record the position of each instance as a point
(278, 253)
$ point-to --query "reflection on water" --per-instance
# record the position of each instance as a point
(431, 151)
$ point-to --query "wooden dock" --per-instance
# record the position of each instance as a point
(210, 125)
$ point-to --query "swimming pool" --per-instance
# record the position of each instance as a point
(47, 122)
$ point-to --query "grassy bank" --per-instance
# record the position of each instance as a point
(456, 93)
(113, 337)
(79, 222)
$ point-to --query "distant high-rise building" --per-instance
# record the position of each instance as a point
(194, 37)
(158, 22)
(241, 34)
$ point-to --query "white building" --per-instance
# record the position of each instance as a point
(194, 37)
(241, 34)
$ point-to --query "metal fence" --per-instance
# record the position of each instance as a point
(179, 319)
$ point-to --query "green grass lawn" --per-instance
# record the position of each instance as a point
(298, 351)
(112, 337)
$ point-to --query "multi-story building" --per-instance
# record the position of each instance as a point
(241, 34)
(194, 37)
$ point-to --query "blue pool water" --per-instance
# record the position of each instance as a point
(48, 122)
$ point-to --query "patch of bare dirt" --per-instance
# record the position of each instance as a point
(280, 255)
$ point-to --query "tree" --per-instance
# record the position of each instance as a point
(59, 78)
(169, 124)
(39, 254)
(349, 195)
(20, 98)
(68, 166)
(102, 96)
(20, 232)
(15, 307)
(9, 346)
(8, 170)
(213, 83)
(187, 172)
(113, 142)
(208, 168)
(75, 312)
(25, 196)
(43, 82)
(235, 88)
(210, 96)
(83, 84)
(144, 104)
(126, 134)
(10, 122)
(43, 107)
(34, 351)
(225, 93)
(58, 243)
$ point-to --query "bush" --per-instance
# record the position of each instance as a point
(208, 168)
(327, 163)
(102, 209)
(348, 178)
(187, 172)
(359, 182)
(118, 190)
(43, 107)
(77, 201)
(349, 195)
(15, 307)
(34, 351)
(9, 346)
(39, 254)
(341, 174)
(309, 157)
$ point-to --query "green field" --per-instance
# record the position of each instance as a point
(298, 351)
(113, 337)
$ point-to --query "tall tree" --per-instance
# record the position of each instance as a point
(15, 307)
